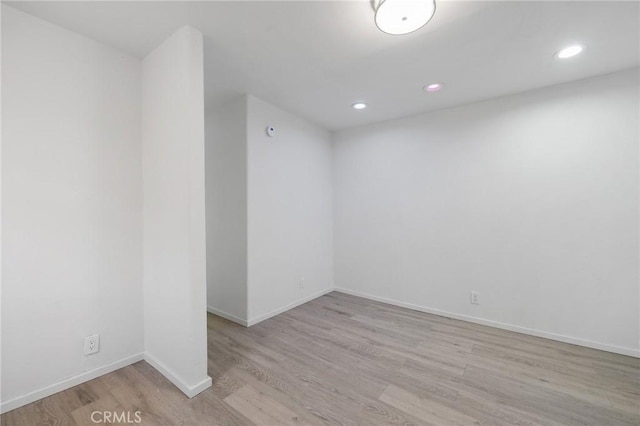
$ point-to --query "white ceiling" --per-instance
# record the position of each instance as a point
(316, 58)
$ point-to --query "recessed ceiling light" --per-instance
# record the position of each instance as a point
(403, 16)
(359, 105)
(433, 87)
(569, 51)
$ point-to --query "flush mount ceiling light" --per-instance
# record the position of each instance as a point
(403, 16)
(359, 105)
(569, 51)
(433, 87)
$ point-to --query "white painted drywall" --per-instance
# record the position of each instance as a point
(269, 211)
(72, 207)
(226, 195)
(532, 200)
(174, 211)
(290, 226)
(1, 209)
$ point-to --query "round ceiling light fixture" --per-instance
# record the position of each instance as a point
(403, 16)
(359, 105)
(433, 87)
(569, 51)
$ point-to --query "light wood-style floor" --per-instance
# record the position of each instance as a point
(343, 360)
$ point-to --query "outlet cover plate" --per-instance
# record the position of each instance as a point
(91, 344)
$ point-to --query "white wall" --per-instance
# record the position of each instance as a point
(1, 399)
(269, 211)
(226, 195)
(71, 207)
(174, 211)
(290, 226)
(532, 200)
(80, 119)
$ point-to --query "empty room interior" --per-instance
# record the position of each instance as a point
(356, 212)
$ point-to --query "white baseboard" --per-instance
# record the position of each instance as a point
(292, 305)
(14, 403)
(230, 317)
(189, 390)
(496, 324)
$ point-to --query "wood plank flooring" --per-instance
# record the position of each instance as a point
(343, 360)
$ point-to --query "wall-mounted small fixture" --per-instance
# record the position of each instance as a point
(271, 131)
(403, 16)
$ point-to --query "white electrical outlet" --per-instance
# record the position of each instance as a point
(475, 298)
(301, 282)
(91, 344)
